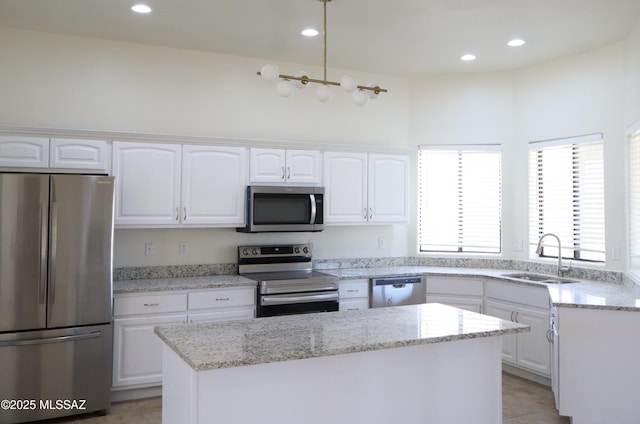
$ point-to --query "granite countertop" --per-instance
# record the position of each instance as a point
(182, 283)
(596, 295)
(238, 343)
(583, 294)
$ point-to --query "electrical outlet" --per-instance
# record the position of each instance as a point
(183, 247)
(615, 253)
(380, 242)
(518, 246)
(149, 249)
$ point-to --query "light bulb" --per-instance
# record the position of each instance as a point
(299, 84)
(285, 88)
(348, 83)
(372, 94)
(270, 72)
(360, 98)
(324, 93)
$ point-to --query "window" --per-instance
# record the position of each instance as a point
(459, 194)
(566, 196)
(634, 195)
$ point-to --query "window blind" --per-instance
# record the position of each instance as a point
(459, 195)
(566, 196)
(634, 197)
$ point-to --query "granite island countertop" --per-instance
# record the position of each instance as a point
(255, 341)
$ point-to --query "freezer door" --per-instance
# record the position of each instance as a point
(23, 251)
(80, 250)
(54, 373)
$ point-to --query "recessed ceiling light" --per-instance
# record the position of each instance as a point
(516, 42)
(141, 8)
(468, 57)
(310, 32)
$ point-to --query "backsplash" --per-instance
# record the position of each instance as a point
(181, 271)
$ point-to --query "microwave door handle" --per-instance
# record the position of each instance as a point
(313, 208)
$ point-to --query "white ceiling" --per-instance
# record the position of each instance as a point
(401, 37)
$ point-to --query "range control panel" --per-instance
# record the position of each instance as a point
(275, 251)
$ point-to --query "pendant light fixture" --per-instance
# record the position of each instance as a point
(288, 83)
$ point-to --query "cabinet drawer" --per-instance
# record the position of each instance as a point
(513, 292)
(354, 305)
(353, 288)
(149, 304)
(246, 312)
(222, 298)
(455, 285)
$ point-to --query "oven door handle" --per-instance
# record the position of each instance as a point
(284, 299)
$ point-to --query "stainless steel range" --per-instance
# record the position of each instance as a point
(287, 283)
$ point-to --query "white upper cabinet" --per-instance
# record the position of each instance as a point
(363, 188)
(147, 183)
(24, 152)
(171, 185)
(345, 180)
(78, 154)
(54, 153)
(272, 166)
(213, 184)
(388, 188)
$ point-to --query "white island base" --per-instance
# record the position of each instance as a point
(437, 383)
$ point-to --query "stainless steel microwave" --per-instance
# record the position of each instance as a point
(283, 209)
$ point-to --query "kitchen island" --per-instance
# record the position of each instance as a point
(410, 364)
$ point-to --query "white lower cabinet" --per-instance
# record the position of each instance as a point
(460, 292)
(529, 306)
(354, 294)
(137, 351)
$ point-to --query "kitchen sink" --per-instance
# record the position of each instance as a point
(539, 278)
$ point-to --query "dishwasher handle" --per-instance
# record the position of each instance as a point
(397, 282)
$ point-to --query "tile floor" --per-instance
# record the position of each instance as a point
(523, 402)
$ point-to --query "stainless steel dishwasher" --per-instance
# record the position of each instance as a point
(396, 291)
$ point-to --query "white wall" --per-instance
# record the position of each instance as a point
(577, 95)
(466, 109)
(632, 76)
(62, 82)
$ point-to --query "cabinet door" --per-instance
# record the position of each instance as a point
(137, 358)
(345, 180)
(506, 312)
(267, 165)
(534, 349)
(388, 195)
(24, 152)
(466, 303)
(303, 166)
(147, 183)
(213, 185)
(78, 154)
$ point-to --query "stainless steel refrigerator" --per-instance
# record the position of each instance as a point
(56, 243)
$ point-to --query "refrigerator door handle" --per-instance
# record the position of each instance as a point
(53, 241)
(93, 335)
(42, 275)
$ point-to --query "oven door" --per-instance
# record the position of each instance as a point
(296, 303)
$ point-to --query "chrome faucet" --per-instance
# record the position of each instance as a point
(561, 269)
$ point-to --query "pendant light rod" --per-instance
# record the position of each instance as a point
(324, 36)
